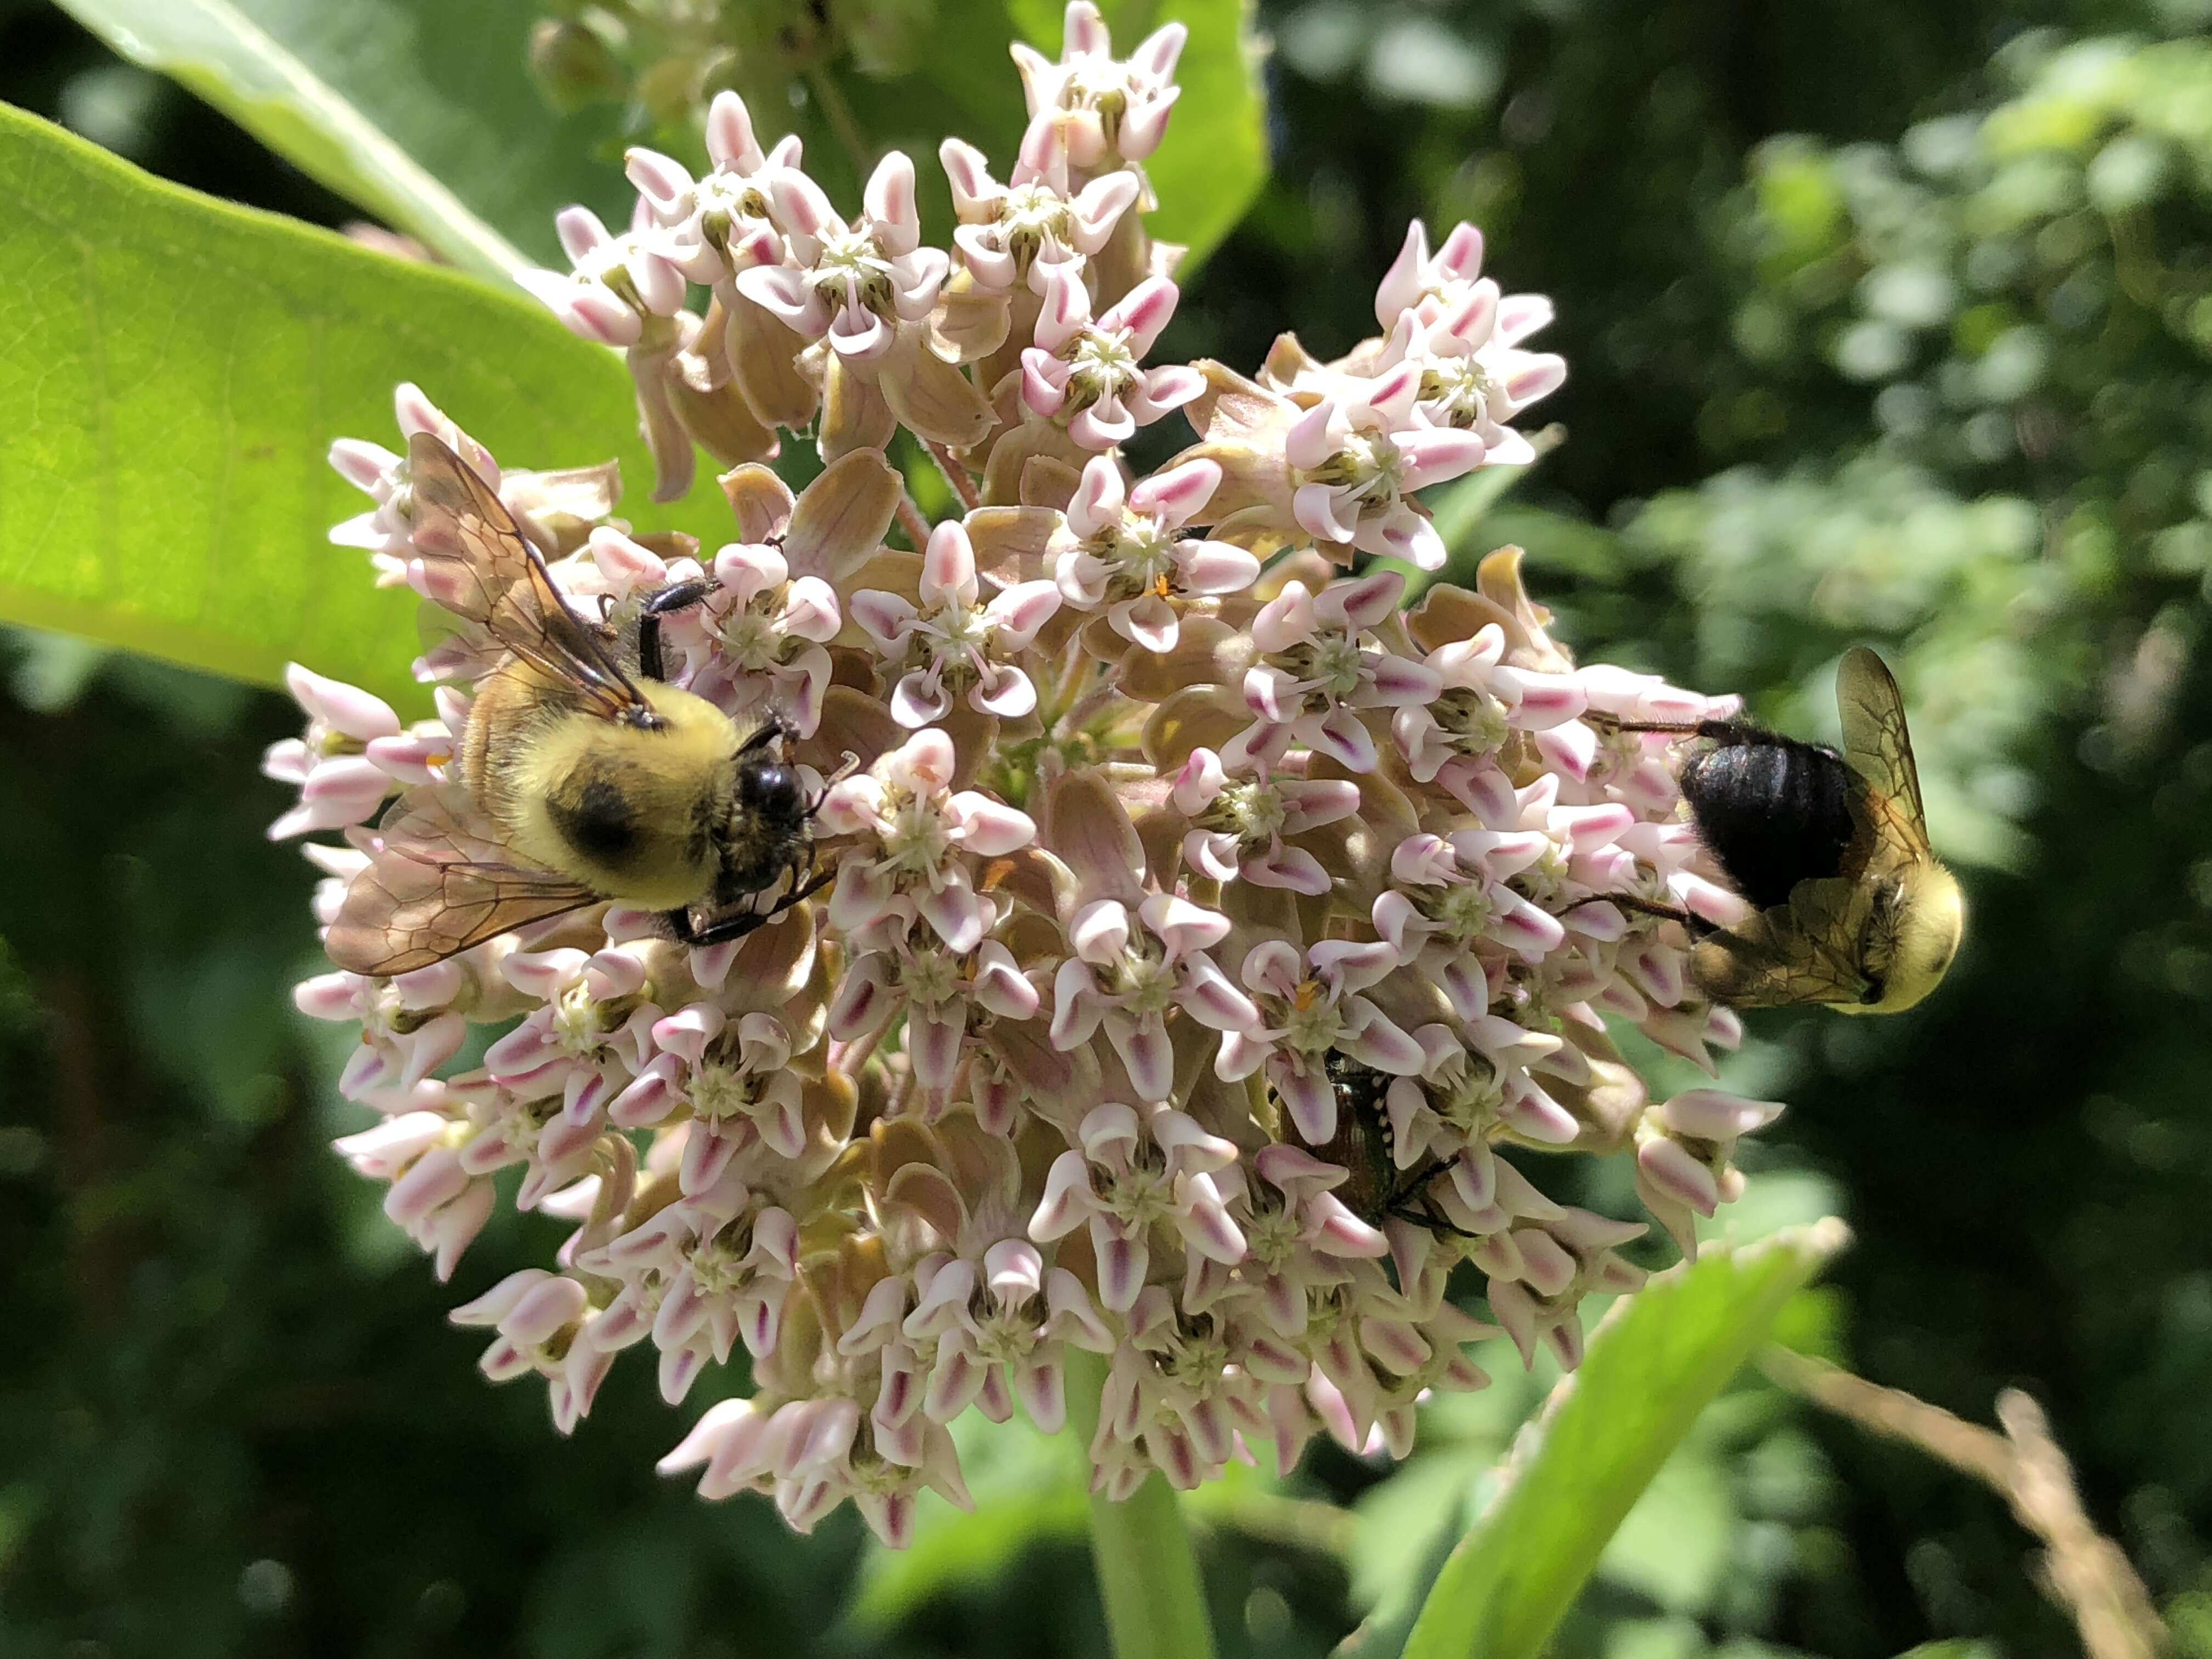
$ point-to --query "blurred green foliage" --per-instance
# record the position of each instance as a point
(180, 369)
(1889, 321)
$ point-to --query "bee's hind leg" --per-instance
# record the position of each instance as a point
(681, 597)
(740, 923)
(681, 929)
(1696, 925)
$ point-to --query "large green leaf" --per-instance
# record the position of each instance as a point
(1656, 1361)
(420, 111)
(173, 370)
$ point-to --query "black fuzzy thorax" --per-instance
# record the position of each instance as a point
(1773, 811)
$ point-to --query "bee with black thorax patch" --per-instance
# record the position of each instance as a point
(575, 782)
(1850, 907)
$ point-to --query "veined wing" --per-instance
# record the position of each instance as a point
(476, 564)
(1880, 749)
(436, 885)
(1794, 952)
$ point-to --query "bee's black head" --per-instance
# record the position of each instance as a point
(772, 790)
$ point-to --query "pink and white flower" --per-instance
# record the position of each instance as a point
(924, 832)
(944, 994)
(1310, 1006)
(723, 222)
(1135, 1168)
(1322, 664)
(1356, 462)
(616, 283)
(853, 285)
(760, 639)
(1121, 550)
(1084, 372)
(1105, 107)
(1017, 232)
(700, 1276)
(955, 642)
(543, 1323)
(1130, 969)
(731, 1075)
(1000, 1330)
(1239, 821)
(817, 1140)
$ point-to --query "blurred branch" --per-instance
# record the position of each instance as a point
(2080, 1569)
(912, 521)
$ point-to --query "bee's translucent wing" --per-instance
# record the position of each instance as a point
(476, 564)
(1801, 951)
(436, 884)
(1878, 746)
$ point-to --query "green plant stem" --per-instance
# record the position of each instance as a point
(1147, 1572)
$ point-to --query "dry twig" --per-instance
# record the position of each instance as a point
(2080, 1569)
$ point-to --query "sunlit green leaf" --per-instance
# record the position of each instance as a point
(1656, 1361)
(423, 113)
(175, 368)
(420, 111)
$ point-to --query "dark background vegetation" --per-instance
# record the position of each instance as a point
(1916, 376)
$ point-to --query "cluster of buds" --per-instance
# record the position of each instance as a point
(1210, 934)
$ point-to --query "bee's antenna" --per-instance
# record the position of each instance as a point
(845, 767)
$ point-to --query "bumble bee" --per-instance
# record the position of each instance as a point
(1365, 1146)
(1851, 909)
(574, 782)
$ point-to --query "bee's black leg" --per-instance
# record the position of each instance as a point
(742, 922)
(722, 932)
(1438, 1219)
(681, 597)
(814, 883)
(1718, 729)
(1697, 925)
(772, 730)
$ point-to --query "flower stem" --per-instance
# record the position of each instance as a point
(963, 486)
(1147, 1572)
(912, 521)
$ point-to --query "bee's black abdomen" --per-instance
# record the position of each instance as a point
(1774, 811)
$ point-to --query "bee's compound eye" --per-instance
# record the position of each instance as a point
(771, 790)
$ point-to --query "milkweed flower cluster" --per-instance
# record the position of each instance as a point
(1212, 936)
